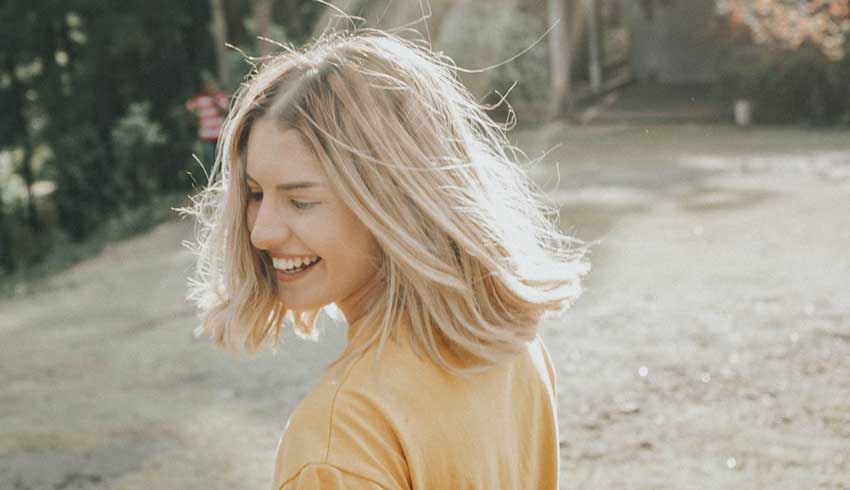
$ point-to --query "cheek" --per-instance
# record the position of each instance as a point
(337, 225)
(364, 252)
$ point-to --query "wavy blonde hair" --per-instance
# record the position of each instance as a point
(471, 259)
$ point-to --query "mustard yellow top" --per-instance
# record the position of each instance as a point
(400, 422)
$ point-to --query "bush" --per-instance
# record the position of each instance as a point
(84, 192)
(20, 275)
(138, 144)
(23, 241)
(175, 157)
(8, 262)
(801, 86)
(20, 245)
(98, 179)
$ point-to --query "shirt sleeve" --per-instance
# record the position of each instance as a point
(323, 476)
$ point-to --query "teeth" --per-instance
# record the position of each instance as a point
(287, 264)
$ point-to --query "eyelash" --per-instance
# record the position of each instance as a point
(258, 196)
(303, 204)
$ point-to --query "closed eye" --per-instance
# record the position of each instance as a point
(255, 196)
(303, 204)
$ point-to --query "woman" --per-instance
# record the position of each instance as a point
(359, 172)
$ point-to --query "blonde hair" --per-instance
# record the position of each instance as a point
(471, 260)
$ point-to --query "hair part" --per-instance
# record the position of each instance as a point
(471, 257)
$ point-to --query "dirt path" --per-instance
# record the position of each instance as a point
(711, 349)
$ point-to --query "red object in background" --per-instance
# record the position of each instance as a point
(210, 108)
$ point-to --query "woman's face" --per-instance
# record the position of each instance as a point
(321, 251)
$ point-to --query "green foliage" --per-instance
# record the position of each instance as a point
(790, 58)
(20, 245)
(171, 169)
(7, 256)
(84, 196)
(137, 142)
(101, 86)
(18, 280)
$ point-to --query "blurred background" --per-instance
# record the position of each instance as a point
(701, 146)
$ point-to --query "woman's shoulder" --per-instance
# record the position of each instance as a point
(364, 419)
(342, 423)
(361, 386)
(397, 379)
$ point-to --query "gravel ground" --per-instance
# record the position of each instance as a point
(710, 350)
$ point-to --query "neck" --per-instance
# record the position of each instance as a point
(355, 307)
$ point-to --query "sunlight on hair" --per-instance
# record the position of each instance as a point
(472, 257)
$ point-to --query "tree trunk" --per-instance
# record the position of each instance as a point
(594, 42)
(219, 35)
(560, 58)
(262, 22)
(579, 48)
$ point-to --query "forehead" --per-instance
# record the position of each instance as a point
(274, 154)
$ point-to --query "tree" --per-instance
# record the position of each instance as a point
(788, 24)
(218, 28)
(18, 132)
(262, 10)
(69, 71)
(801, 74)
(568, 48)
(560, 58)
(20, 67)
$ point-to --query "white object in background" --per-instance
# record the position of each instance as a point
(743, 112)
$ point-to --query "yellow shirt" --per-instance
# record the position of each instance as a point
(400, 422)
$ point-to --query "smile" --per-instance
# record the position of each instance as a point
(291, 268)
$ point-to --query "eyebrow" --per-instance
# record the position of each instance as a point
(288, 186)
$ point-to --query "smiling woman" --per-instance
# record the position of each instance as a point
(359, 172)
(300, 224)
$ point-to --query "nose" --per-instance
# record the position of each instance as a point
(269, 229)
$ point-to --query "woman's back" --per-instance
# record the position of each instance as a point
(400, 422)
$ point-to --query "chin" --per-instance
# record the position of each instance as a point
(301, 306)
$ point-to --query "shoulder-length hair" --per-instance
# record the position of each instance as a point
(471, 258)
